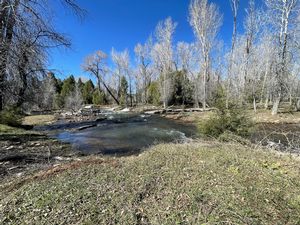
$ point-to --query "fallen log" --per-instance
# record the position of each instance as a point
(86, 127)
(172, 111)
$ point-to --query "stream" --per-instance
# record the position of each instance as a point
(120, 134)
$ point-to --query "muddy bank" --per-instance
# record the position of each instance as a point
(284, 137)
(23, 154)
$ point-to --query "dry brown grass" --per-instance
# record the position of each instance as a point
(264, 116)
(39, 120)
(191, 183)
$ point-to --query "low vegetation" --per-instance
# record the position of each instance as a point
(228, 117)
(169, 184)
(11, 116)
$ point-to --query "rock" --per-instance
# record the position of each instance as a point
(58, 158)
(10, 148)
(154, 112)
(19, 174)
(88, 107)
(125, 110)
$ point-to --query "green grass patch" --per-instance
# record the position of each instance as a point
(169, 184)
(5, 129)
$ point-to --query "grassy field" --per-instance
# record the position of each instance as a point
(193, 183)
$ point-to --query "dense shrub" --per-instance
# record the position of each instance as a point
(11, 117)
(227, 118)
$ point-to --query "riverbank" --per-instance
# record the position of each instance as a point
(195, 183)
(25, 152)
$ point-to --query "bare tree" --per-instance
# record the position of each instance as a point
(48, 92)
(162, 55)
(188, 62)
(74, 101)
(122, 63)
(205, 20)
(234, 7)
(144, 70)
(252, 26)
(282, 17)
(30, 18)
(95, 64)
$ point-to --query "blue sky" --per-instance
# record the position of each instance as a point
(122, 24)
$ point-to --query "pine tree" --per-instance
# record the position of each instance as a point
(87, 92)
(80, 85)
(68, 86)
(99, 97)
(123, 91)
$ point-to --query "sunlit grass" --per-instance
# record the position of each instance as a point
(193, 183)
(38, 120)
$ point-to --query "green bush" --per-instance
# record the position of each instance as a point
(11, 117)
(229, 118)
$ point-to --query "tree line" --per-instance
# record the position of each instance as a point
(259, 68)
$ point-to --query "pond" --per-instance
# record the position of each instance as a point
(121, 134)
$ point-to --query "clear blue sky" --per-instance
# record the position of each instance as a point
(122, 24)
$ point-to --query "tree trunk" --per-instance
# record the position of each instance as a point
(276, 105)
(23, 77)
(7, 24)
(111, 94)
(264, 82)
(254, 105)
(267, 101)
(298, 105)
(130, 94)
(204, 94)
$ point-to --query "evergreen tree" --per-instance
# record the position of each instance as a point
(123, 91)
(80, 85)
(68, 86)
(153, 93)
(87, 92)
(99, 97)
(58, 85)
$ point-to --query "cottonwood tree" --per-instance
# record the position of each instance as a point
(187, 61)
(205, 20)
(48, 91)
(96, 65)
(230, 72)
(29, 19)
(234, 7)
(162, 56)
(283, 18)
(144, 68)
(252, 25)
(122, 63)
(268, 57)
